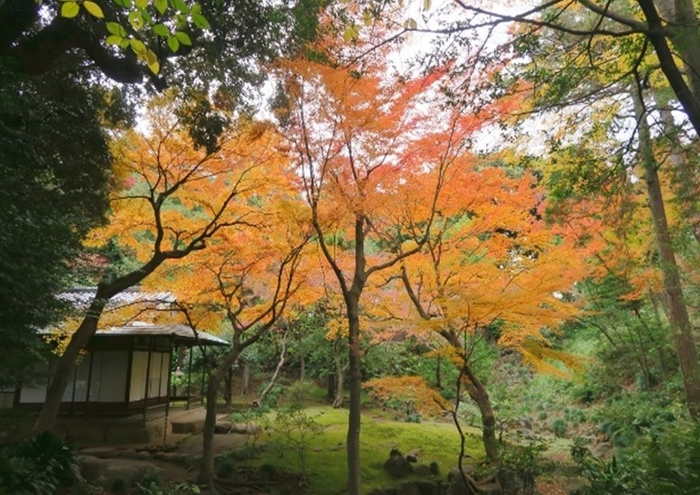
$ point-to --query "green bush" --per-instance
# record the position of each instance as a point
(607, 477)
(300, 392)
(627, 418)
(667, 464)
(298, 429)
(558, 426)
(274, 395)
(42, 465)
(673, 461)
(526, 462)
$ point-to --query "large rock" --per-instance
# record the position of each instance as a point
(397, 466)
(428, 487)
(101, 452)
(457, 486)
(413, 455)
(491, 488)
(422, 470)
(224, 426)
(122, 434)
(108, 472)
(86, 433)
(193, 426)
(408, 488)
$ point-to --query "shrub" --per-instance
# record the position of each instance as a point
(300, 392)
(673, 461)
(525, 461)
(44, 464)
(298, 430)
(274, 395)
(607, 477)
(558, 426)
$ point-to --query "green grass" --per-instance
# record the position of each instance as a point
(326, 456)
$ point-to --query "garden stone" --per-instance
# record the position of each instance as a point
(412, 456)
(108, 471)
(398, 467)
(492, 488)
(245, 428)
(222, 427)
(408, 488)
(468, 469)
(422, 470)
(509, 480)
(428, 487)
(457, 486)
(101, 452)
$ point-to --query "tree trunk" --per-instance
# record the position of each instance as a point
(302, 370)
(245, 379)
(258, 402)
(228, 388)
(66, 364)
(206, 472)
(480, 396)
(679, 320)
(88, 327)
(355, 387)
(339, 384)
(657, 36)
(477, 392)
(682, 19)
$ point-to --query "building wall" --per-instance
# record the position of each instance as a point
(157, 379)
(37, 392)
(109, 373)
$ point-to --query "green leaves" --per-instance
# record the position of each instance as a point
(115, 28)
(183, 38)
(164, 18)
(173, 44)
(93, 9)
(161, 6)
(161, 30)
(70, 9)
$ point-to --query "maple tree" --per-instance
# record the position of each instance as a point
(372, 162)
(170, 200)
(244, 282)
(493, 262)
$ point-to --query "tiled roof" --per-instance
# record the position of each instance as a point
(83, 296)
(181, 333)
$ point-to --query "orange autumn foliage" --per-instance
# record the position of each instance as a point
(172, 196)
(493, 260)
(412, 392)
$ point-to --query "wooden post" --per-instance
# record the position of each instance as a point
(148, 382)
(189, 379)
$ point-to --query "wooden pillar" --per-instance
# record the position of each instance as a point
(189, 379)
(129, 365)
(167, 392)
(148, 382)
(72, 397)
(89, 381)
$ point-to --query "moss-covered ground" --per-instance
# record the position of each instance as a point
(437, 441)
